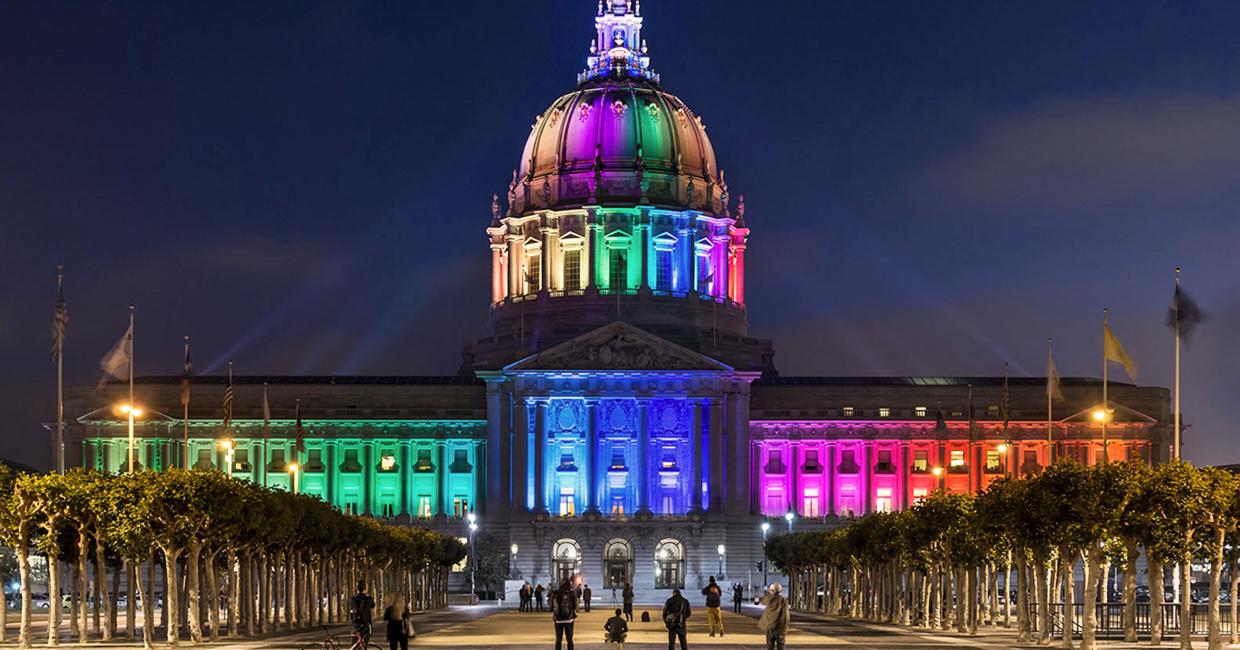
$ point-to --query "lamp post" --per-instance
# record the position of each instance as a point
(229, 449)
(473, 557)
(938, 475)
(766, 528)
(1003, 459)
(293, 469)
(133, 411)
(789, 516)
(722, 550)
(512, 561)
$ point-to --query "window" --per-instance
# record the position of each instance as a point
(424, 506)
(884, 412)
(533, 273)
(992, 411)
(387, 462)
(774, 462)
(669, 558)
(460, 506)
(315, 461)
(848, 463)
(994, 461)
(775, 503)
(460, 462)
(617, 460)
(423, 465)
(572, 270)
(566, 463)
(619, 269)
(849, 411)
(277, 460)
(919, 411)
(811, 461)
(567, 501)
(617, 505)
(955, 461)
(884, 465)
(810, 503)
(704, 276)
(921, 461)
(919, 494)
(882, 500)
(663, 270)
(350, 464)
(241, 460)
(848, 500)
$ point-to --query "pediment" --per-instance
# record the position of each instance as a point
(619, 347)
(1119, 414)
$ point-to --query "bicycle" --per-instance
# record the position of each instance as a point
(336, 642)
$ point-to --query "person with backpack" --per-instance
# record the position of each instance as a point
(676, 618)
(564, 612)
(617, 629)
(360, 606)
(627, 595)
(714, 599)
(775, 617)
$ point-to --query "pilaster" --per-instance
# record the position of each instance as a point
(592, 457)
(540, 466)
(641, 456)
(695, 490)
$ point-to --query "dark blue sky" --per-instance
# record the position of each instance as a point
(933, 188)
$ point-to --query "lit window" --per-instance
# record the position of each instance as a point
(617, 505)
(884, 412)
(992, 411)
(882, 500)
(956, 460)
(992, 461)
(705, 279)
(920, 411)
(921, 461)
(619, 269)
(387, 462)
(848, 411)
(460, 506)
(663, 270)
(567, 502)
(919, 494)
(810, 503)
(424, 506)
(533, 273)
(572, 270)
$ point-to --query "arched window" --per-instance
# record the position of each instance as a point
(617, 563)
(669, 559)
(565, 560)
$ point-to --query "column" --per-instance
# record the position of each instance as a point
(479, 476)
(695, 440)
(592, 459)
(404, 471)
(738, 274)
(520, 433)
(590, 265)
(497, 273)
(903, 473)
(493, 469)
(330, 471)
(540, 468)
(685, 249)
(441, 468)
(720, 260)
(867, 478)
(514, 265)
(719, 478)
(641, 456)
(368, 476)
(794, 471)
(736, 450)
(831, 480)
(548, 257)
(755, 478)
(643, 232)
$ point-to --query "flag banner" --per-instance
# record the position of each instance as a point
(1185, 313)
(1113, 351)
(115, 363)
(266, 415)
(1054, 383)
(186, 371)
(60, 323)
(228, 403)
(301, 432)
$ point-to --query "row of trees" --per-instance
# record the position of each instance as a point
(229, 557)
(941, 562)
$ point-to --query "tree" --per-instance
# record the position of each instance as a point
(490, 561)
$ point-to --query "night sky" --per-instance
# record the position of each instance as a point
(933, 187)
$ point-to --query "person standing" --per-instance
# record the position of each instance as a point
(527, 597)
(398, 622)
(774, 620)
(627, 596)
(360, 607)
(538, 597)
(714, 599)
(738, 596)
(585, 597)
(564, 612)
(676, 618)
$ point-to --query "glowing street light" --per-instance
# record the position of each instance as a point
(133, 411)
(789, 516)
(512, 560)
(766, 528)
(293, 469)
(473, 528)
(722, 550)
(937, 471)
(1100, 415)
(1002, 448)
(229, 448)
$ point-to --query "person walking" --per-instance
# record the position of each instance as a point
(564, 612)
(774, 620)
(399, 623)
(360, 608)
(585, 597)
(627, 596)
(738, 596)
(617, 629)
(676, 618)
(714, 599)
(527, 595)
(538, 597)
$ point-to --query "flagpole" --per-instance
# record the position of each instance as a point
(132, 406)
(1105, 408)
(185, 415)
(1175, 448)
(1050, 431)
(60, 379)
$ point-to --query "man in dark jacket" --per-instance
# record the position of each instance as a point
(586, 594)
(676, 618)
(738, 596)
(538, 596)
(617, 628)
(714, 599)
(564, 611)
(627, 595)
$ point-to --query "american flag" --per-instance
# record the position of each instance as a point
(60, 321)
(228, 399)
(186, 371)
(301, 431)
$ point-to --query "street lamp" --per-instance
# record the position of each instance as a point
(722, 550)
(293, 469)
(766, 528)
(789, 516)
(133, 411)
(473, 557)
(229, 448)
(512, 562)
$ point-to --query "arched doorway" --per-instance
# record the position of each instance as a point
(669, 559)
(565, 560)
(617, 563)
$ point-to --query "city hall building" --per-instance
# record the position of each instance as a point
(618, 421)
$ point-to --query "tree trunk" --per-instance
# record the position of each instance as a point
(193, 591)
(102, 604)
(1094, 573)
(1130, 590)
(1155, 569)
(264, 592)
(171, 603)
(1024, 630)
(1186, 601)
(1067, 567)
(136, 591)
(115, 596)
(148, 604)
(234, 592)
(23, 570)
(213, 595)
(53, 598)
(1215, 634)
(74, 579)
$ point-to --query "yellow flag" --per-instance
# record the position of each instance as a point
(1113, 351)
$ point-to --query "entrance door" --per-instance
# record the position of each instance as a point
(617, 564)
(565, 560)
